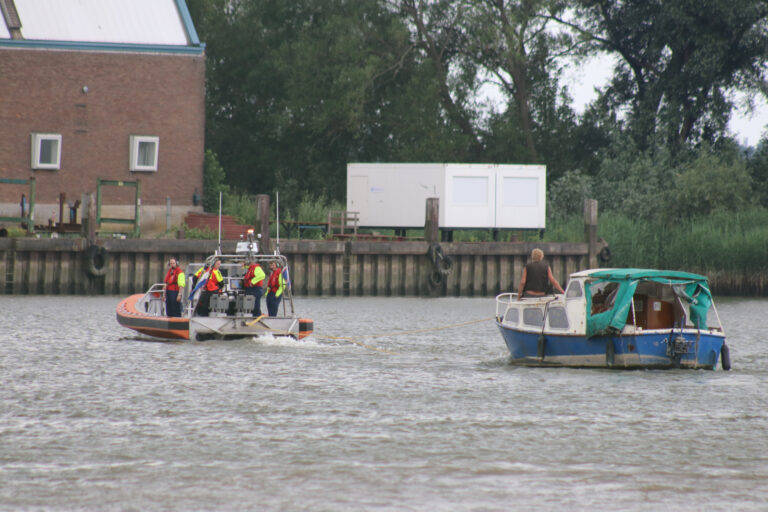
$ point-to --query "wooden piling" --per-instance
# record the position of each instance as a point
(590, 230)
(262, 221)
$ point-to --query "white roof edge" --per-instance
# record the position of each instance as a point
(149, 22)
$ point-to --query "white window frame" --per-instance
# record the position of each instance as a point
(37, 141)
(135, 142)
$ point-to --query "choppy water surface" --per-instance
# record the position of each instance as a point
(95, 417)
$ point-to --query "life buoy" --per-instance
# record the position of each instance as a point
(96, 260)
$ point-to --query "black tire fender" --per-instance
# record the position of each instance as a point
(435, 279)
(96, 260)
(445, 265)
(604, 255)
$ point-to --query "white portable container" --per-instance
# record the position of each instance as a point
(471, 195)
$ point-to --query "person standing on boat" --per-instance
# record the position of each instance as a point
(200, 272)
(213, 285)
(537, 276)
(253, 282)
(174, 288)
(275, 288)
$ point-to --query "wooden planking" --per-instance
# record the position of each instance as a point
(327, 275)
(317, 268)
(383, 273)
(140, 273)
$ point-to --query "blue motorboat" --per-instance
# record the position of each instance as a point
(617, 318)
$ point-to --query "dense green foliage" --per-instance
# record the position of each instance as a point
(296, 90)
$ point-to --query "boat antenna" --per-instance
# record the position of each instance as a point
(277, 215)
(218, 251)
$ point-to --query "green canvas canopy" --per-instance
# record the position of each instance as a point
(690, 288)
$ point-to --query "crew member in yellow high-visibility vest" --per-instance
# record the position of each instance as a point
(253, 282)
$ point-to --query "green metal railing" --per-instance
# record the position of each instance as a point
(137, 202)
(25, 218)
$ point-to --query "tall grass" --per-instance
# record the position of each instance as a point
(730, 248)
(314, 209)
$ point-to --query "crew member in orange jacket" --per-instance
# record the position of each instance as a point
(174, 288)
(213, 285)
(275, 288)
(253, 282)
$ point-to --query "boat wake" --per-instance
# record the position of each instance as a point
(284, 341)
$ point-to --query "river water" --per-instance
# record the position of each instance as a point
(401, 416)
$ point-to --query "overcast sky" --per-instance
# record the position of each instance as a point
(582, 79)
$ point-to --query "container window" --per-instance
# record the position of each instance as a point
(520, 191)
(470, 190)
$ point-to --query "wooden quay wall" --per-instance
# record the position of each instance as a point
(317, 267)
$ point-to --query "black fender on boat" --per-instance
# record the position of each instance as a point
(96, 260)
(725, 357)
(541, 347)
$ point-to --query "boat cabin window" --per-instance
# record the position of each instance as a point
(533, 317)
(574, 290)
(557, 318)
(512, 316)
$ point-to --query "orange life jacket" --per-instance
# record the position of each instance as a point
(251, 273)
(172, 279)
(214, 281)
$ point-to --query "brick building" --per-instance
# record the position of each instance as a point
(110, 89)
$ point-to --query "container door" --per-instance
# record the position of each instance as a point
(469, 196)
(521, 197)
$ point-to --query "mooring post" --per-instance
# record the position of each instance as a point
(590, 230)
(432, 221)
(89, 218)
(262, 220)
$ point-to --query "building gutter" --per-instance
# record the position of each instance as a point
(105, 47)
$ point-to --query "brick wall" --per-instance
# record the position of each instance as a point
(127, 94)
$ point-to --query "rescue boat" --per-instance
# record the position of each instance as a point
(230, 315)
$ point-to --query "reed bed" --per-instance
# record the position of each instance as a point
(730, 248)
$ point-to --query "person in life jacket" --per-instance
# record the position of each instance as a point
(196, 275)
(253, 282)
(213, 285)
(275, 288)
(174, 288)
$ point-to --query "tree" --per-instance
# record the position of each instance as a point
(514, 42)
(678, 61)
(439, 37)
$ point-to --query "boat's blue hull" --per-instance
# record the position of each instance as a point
(659, 349)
